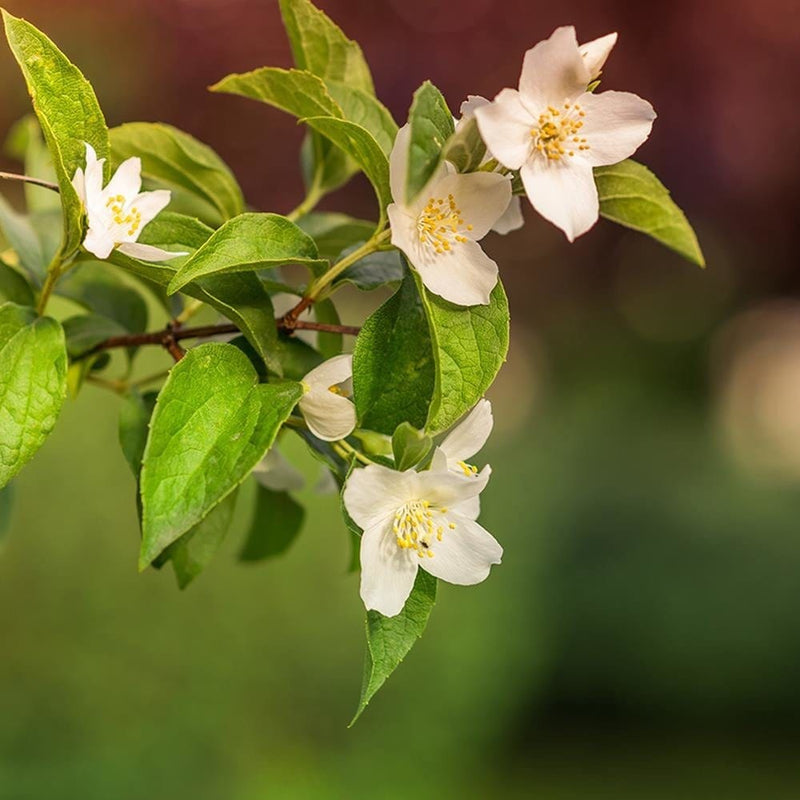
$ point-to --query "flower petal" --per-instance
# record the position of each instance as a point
(276, 473)
(93, 179)
(472, 102)
(615, 125)
(465, 554)
(146, 252)
(398, 164)
(149, 204)
(373, 494)
(331, 372)
(387, 571)
(79, 185)
(596, 52)
(329, 416)
(563, 193)
(505, 125)
(553, 71)
(481, 197)
(127, 180)
(445, 489)
(98, 241)
(512, 218)
(470, 435)
(464, 275)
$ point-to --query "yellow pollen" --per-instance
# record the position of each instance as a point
(132, 219)
(556, 127)
(415, 530)
(469, 470)
(439, 225)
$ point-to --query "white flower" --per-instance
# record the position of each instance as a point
(326, 405)
(417, 519)
(512, 218)
(118, 213)
(439, 230)
(596, 52)
(555, 132)
(466, 439)
(276, 473)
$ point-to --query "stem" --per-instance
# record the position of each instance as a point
(349, 450)
(309, 202)
(12, 176)
(191, 309)
(53, 274)
(339, 267)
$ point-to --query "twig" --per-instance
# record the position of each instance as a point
(12, 176)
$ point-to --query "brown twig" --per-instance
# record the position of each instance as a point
(12, 176)
(170, 337)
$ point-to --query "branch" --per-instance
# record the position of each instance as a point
(12, 176)
(172, 334)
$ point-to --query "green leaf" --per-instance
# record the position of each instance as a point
(469, 347)
(175, 159)
(6, 504)
(14, 287)
(296, 358)
(22, 237)
(320, 46)
(374, 270)
(277, 521)
(465, 149)
(294, 91)
(94, 287)
(389, 639)
(26, 144)
(409, 446)
(193, 552)
(633, 196)
(328, 344)
(361, 145)
(134, 419)
(393, 366)
(334, 232)
(33, 384)
(365, 110)
(431, 126)
(212, 423)
(247, 243)
(84, 331)
(68, 113)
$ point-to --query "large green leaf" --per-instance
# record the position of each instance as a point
(14, 287)
(33, 384)
(173, 158)
(431, 126)
(68, 113)
(359, 143)
(277, 521)
(248, 243)
(366, 110)
(212, 423)
(320, 46)
(389, 639)
(632, 196)
(469, 347)
(393, 365)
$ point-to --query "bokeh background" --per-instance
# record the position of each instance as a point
(641, 639)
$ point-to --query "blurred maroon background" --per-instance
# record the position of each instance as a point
(719, 76)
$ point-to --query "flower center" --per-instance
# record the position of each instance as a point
(439, 223)
(469, 470)
(557, 132)
(133, 219)
(415, 528)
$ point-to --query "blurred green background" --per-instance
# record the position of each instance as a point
(640, 639)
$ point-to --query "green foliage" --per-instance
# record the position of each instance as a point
(26, 144)
(68, 113)
(469, 347)
(134, 419)
(14, 287)
(174, 159)
(393, 366)
(335, 233)
(389, 639)
(410, 446)
(84, 331)
(375, 270)
(365, 110)
(33, 385)
(212, 423)
(465, 149)
(247, 243)
(632, 196)
(21, 235)
(431, 126)
(277, 520)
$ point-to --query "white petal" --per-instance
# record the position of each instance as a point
(387, 571)
(505, 125)
(329, 416)
(596, 52)
(470, 435)
(472, 102)
(445, 489)
(79, 184)
(331, 372)
(512, 219)
(465, 554)
(563, 193)
(481, 197)
(404, 228)
(149, 204)
(98, 241)
(373, 494)
(615, 125)
(276, 473)
(127, 180)
(553, 71)
(465, 275)
(398, 164)
(146, 252)
(471, 509)
(93, 179)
